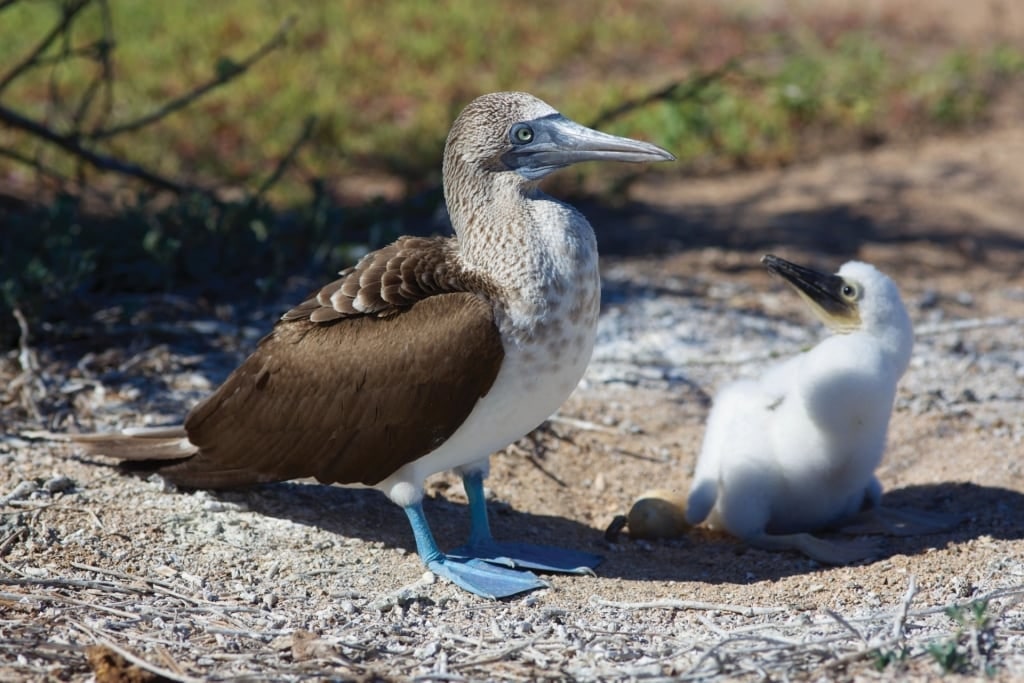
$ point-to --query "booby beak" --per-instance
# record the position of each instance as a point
(831, 298)
(552, 142)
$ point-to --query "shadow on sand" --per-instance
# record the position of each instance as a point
(700, 556)
(839, 231)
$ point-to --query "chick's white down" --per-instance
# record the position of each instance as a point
(795, 450)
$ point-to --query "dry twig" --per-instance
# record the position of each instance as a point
(746, 611)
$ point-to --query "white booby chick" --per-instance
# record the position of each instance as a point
(795, 451)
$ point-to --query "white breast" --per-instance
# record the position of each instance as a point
(548, 326)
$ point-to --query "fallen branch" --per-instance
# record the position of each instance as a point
(689, 605)
(494, 657)
(29, 380)
(900, 622)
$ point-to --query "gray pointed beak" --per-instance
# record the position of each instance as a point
(559, 142)
(822, 291)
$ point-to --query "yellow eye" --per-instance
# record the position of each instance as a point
(521, 134)
(849, 292)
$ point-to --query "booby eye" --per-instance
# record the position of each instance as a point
(851, 292)
(521, 134)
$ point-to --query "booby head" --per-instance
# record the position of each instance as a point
(514, 132)
(857, 298)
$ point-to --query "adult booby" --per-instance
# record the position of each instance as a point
(427, 355)
(795, 451)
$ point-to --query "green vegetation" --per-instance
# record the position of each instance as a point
(384, 81)
(970, 649)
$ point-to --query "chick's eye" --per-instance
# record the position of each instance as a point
(849, 291)
(521, 134)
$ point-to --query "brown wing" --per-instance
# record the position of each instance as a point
(389, 279)
(353, 383)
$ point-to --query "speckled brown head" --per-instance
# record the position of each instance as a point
(515, 139)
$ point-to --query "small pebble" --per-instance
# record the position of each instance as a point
(58, 484)
(21, 491)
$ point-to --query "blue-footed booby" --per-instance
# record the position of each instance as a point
(427, 355)
(795, 451)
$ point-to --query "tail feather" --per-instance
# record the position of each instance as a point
(157, 443)
(165, 451)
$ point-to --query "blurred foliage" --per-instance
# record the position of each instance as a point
(52, 255)
(385, 81)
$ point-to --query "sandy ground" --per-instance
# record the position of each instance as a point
(297, 581)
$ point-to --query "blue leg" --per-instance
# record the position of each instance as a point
(474, 575)
(518, 555)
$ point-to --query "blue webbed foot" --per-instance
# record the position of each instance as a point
(475, 576)
(542, 558)
(483, 579)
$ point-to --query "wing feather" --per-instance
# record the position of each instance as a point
(350, 401)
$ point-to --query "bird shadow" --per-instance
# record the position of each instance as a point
(716, 558)
(368, 515)
(699, 556)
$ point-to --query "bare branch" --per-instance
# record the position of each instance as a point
(31, 59)
(286, 160)
(36, 165)
(677, 91)
(223, 76)
(102, 162)
(100, 51)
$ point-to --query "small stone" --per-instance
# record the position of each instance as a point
(21, 491)
(965, 299)
(929, 299)
(269, 600)
(58, 484)
(427, 651)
